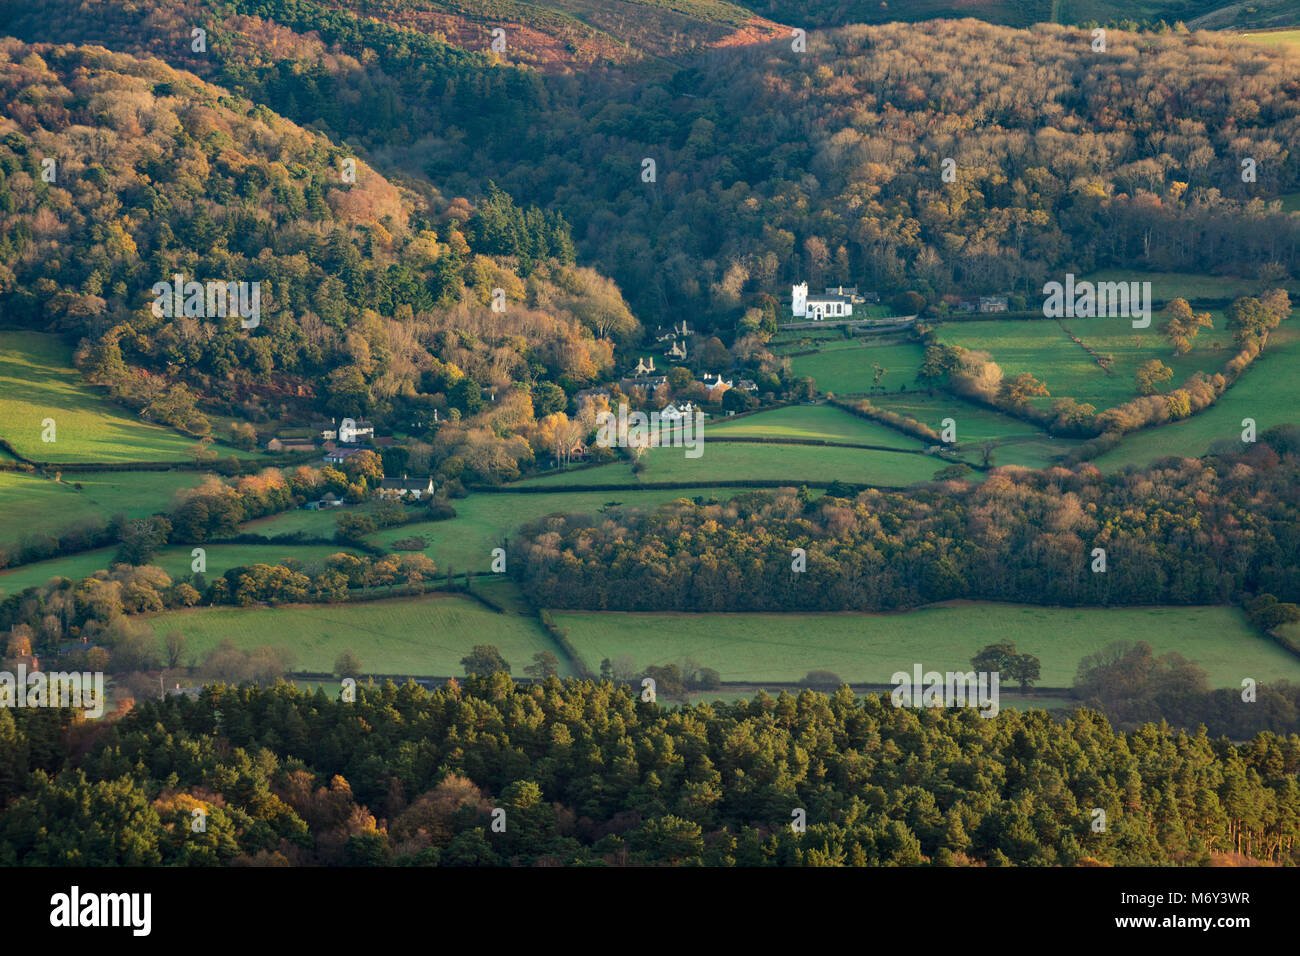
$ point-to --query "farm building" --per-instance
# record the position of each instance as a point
(338, 456)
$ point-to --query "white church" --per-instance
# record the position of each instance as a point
(834, 303)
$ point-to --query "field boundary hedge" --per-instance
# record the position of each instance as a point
(764, 440)
(676, 485)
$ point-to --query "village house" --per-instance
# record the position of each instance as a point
(983, 303)
(716, 386)
(643, 376)
(358, 433)
(415, 488)
(673, 332)
(673, 413)
(328, 431)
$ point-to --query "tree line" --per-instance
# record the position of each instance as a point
(490, 772)
(1206, 531)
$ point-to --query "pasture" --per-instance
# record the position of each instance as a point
(176, 561)
(1268, 392)
(31, 503)
(792, 464)
(1044, 350)
(1184, 285)
(38, 382)
(848, 369)
(421, 636)
(810, 422)
(869, 648)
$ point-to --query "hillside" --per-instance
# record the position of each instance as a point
(374, 295)
(772, 165)
(1197, 14)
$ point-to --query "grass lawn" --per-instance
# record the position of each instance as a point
(849, 368)
(176, 561)
(421, 636)
(1268, 392)
(31, 503)
(38, 381)
(869, 648)
(465, 542)
(795, 464)
(820, 422)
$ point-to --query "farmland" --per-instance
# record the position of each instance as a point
(869, 648)
(795, 464)
(38, 383)
(810, 423)
(102, 495)
(1043, 349)
(1268, 392)
(847, 368)
(176, 561)
(423, 635)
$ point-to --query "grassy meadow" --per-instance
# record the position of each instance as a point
(1268, 392)
(1043, 349)
(869, 648)
(848, 369)
(794, 464)
(31, 503)
(810, 422)
(176, 561)
(425, 635)
(38, 382)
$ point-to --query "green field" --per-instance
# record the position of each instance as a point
(465, 542)
(30, 503)
(849, 369)
(1188, 285)
(420, 636)
(1042, 349)
(1018, 443)
(869, 648)
(1275, 38)
(38, 382)
(1268, 392)
(176, 561)
(796, 464)
(816, 422)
